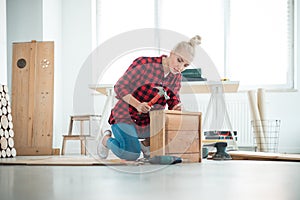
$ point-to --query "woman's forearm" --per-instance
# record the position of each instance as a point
(131, 100)
(141, 107)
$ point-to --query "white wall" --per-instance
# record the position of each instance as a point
(52, 31)
(285, 105)
(76, 47)
(68, 23)
(24, 23)
(3, 50)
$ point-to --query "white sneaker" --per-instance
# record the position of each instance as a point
(145, 150)
(102, 150)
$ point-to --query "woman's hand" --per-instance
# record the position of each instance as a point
(178, 107)
(143, 107)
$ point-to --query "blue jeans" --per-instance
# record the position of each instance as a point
(125, 143)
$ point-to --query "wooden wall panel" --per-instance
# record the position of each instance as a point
(20, 96)
(42, 129)
(32, 97)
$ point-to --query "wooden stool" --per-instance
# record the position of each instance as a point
(82, 136)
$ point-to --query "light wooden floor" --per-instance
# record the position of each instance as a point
(209, 180)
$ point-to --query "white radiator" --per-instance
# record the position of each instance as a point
(238, 113)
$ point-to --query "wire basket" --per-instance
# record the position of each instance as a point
(266, 135)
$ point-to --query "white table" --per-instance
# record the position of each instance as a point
(216, 102)
(196, 87)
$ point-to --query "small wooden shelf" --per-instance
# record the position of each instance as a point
(176, 133)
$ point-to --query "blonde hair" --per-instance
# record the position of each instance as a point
(188, 47)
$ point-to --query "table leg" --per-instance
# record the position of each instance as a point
(217, 110)
(106, 110)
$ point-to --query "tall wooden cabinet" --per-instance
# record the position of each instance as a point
(32, 97)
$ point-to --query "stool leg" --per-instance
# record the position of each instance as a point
(63, 147)
(70, 126)
(82, 141)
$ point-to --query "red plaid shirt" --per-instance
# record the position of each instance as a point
(139, 80)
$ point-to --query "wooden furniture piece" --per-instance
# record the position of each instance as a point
(176, 133)
(248, 155)
(194, 87)
(32, 97)
(82, 136)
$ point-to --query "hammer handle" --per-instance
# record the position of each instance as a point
(154, 100)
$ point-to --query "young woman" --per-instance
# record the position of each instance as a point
(129, 118)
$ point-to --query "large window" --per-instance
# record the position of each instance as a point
(250, 41)
(260, 42)
(202, 17)
(117, 16)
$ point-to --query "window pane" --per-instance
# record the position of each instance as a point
(119, 65)
(115, 17)
(197, 17)
(259, 42)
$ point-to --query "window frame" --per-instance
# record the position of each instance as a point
(290, 85)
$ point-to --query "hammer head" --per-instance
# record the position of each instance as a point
(162, 92)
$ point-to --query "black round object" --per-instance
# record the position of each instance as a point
(21, 63)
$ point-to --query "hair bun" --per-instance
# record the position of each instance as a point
(195, 41)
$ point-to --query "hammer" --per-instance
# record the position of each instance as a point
(161, 92)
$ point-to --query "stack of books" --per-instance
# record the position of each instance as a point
(192, 75)
(219, 135)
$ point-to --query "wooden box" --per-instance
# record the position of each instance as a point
(176, 133)
(32, 97)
